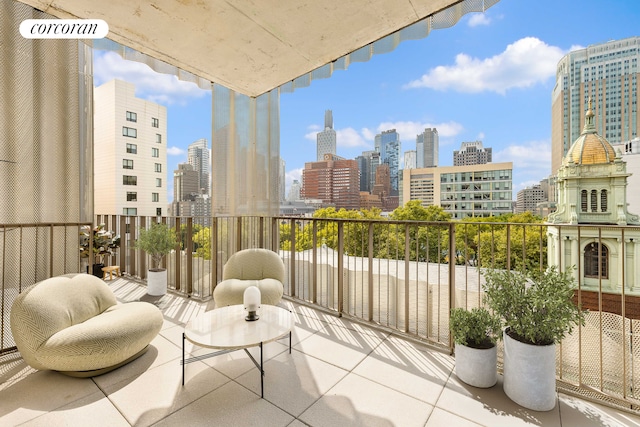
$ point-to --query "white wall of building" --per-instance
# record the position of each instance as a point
(112, 101)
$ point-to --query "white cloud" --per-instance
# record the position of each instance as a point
(368, 134)
(290, 176)
(478, 19)
(480, 136)
(524, 63)
(155, 87)
(175, 151)
(350, 138)
(531, 162)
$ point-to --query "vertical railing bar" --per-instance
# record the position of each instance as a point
(20, 262)
(189, 251)
(417, 260)
(600, 305)
(215, 255)
(579, 305)
(261, 231)
(177, 272)
(132, 252)
(314, 264)
(407, 253)
(340, 266)
(452, 279)
(238, 234)
(508, 247)
(293, 258)
(123, 245)
(370, 272)
(623, 255)
(427, 297)
(51, 250)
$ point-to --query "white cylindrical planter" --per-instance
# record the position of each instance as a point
(157, 282)
(475, 366)
(530, 374)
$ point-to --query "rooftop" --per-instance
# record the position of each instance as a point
(339, 373)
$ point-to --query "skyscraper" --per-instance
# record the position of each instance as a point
(472, 153)
(410, 159)
(367, 163)
(427, 144)
(198, 157)
(130, 148)
(334, 181)
(326, 140)
(607, 73)
(387, 144)
(185, 182)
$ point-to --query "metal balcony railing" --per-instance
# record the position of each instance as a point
(403, 276)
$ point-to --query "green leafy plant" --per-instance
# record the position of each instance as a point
(157, 241)
(105, 243)
(537, 306)
(476, 328)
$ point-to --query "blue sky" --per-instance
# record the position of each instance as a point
(488, 78)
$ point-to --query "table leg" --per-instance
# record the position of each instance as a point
(290, 342)
(261, 374)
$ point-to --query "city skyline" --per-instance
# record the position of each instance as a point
(488, 78)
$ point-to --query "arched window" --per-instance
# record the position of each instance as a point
(583, 200)
(603, 200)
(594, 201)
(592, 253)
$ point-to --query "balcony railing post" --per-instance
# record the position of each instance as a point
(189, 252)
(407, 255)
(177, 275)
(132, 250)
(340, 267)
(239, 234)
(292, 286)
(508, 247)
(314, 268)
(216, 257)
(123, 245)
(452, 276)
(370, 274)
(261, 232)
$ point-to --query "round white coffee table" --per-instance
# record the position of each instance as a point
(226, 329)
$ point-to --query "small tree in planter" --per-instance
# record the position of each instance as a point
(157, 241)
(538, 310)
(475, 333)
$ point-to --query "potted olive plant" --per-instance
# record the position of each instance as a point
(157, 241)
(538, 310)
(475, 333)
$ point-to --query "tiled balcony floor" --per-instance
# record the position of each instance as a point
(338, 374)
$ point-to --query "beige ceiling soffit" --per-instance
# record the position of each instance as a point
(255, 46)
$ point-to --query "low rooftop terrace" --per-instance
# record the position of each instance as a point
(340, 372)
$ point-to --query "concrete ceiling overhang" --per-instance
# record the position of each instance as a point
(250, 46)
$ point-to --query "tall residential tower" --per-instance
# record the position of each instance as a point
(608, 74)
(326, 139)
(427, 148)
(130, 152)
(387, 144)
(198, 157)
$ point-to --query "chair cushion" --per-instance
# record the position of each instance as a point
(231, 291)
(105, 340)
(254, 264)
